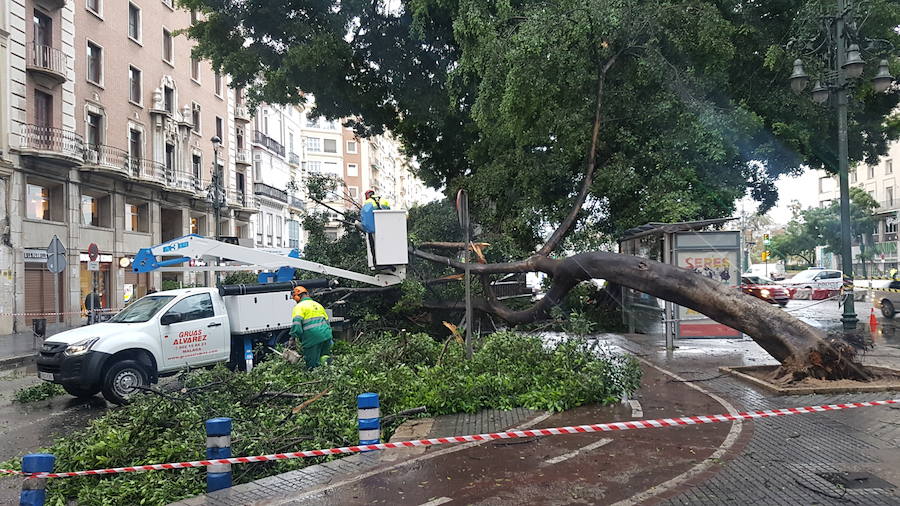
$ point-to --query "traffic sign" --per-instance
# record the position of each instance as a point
(56, 256)
(93, 265)
(93, 251)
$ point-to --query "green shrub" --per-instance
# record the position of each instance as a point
(406, 369)
(39, 392)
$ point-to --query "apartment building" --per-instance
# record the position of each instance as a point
(883, 184)
(110, 134)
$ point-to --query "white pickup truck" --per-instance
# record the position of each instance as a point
(160, 334)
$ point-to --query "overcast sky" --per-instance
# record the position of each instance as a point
(804, 188)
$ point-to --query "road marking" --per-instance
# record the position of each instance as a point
(435, 502)
(636, 410)
(359, 477)
(587, 448)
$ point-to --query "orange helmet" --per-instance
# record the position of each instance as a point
(369, 193)
(298, 293)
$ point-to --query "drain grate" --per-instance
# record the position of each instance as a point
(852, 480)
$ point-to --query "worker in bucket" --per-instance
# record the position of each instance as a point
(311, 328)
(367, 217)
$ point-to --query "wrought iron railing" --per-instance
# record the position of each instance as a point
(53, 140)
(108, 157)
(294, 159)
(147, 170)
(241, 112)
(242, 156)
(47, 58)
(270, 191)
(297, 203)
(268, 142)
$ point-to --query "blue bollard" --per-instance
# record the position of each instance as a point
(218, 446)
(34, 489)
(368, 416)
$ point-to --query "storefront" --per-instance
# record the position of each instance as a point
(39, 287)
(102, 278)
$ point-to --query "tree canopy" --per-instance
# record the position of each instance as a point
(498, 97)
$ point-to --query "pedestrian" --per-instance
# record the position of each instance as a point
(92, 304)
(893, 273)
(311, 328)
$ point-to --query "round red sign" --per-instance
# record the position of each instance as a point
(93, 252)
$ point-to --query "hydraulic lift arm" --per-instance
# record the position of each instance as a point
(183, 249)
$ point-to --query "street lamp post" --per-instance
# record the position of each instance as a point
(844, 64)
(217, 193)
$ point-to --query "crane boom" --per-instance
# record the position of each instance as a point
(193, 246)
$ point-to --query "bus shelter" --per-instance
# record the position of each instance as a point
(714, 254)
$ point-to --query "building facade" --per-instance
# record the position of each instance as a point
(112, 146)
(883, 184)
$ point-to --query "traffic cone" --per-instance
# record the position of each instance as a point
(873, 322)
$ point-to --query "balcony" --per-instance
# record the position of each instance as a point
(296, 203)
(241, 113)
(294, 159)
(268, 142)
(54, 143)
(186, 183)
(48, 62)
(148, 171)
(242, 157)
(270, 192)
(241, 200)
(103, 158)
(888, 205)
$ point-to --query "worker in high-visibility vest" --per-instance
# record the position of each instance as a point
(311, 328)
(372, 203)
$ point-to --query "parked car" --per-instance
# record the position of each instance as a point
(815, 279)
(765, 289)
(887, 302)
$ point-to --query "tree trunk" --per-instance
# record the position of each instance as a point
(802, 350)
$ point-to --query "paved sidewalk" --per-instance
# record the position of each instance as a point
(19, 349)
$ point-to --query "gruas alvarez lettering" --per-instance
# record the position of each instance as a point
(189, 336)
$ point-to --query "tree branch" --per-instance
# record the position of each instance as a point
(563, 229)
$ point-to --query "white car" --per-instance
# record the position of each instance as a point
(816, 279)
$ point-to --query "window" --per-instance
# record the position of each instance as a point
(290, 145)
(312, 122)
(95, 210)
(239, 137)
(134, 22)
(170, 158)
(278, 232)
(293, 234)
(195, 69)
(196, 165)
(270, 228)
(890, 226)
(220, 128)
(195, 117)
(314, 166)
(193, 16)
(852, 176)
(888, 166)
(351, 146)
(43, 29)
(329, 146)
(135, 92)
(43, 109)
(218, 79)
(195, 307)
(94, 129)
(135, 143)
(870, 172)
(353, 191)
(168, 49)
(137, 217)
(314, 144)
(169, 99)
(889, 195)
(94, 63)
(38, 202)
(822, 181)
(94, 6)
(352, 169)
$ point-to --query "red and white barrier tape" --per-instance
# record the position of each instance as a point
(577, 429)
(108, 310)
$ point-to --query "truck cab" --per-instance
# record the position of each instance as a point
(154, 336)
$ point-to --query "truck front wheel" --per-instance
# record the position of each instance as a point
(80, 392)
(121, 380)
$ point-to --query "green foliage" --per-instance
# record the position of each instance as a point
(39, 392)
(240, 278)
(407, 370)
(411, 297)
(499, 98)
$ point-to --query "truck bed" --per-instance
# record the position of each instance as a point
(259, 312)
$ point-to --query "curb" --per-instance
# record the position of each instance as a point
(739, 372)
(8, 363)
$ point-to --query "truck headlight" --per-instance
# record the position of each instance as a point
(81, 347)
(764, 292)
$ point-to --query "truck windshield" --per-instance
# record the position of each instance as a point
(142, 310)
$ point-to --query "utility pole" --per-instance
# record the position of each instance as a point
(218, 195)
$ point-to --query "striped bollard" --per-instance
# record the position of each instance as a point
(218, 446)
(34, 490)
(368, 414)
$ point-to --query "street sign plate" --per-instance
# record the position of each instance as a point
(462, 208)
(93, 251)
(93, 265)
(56, 256)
